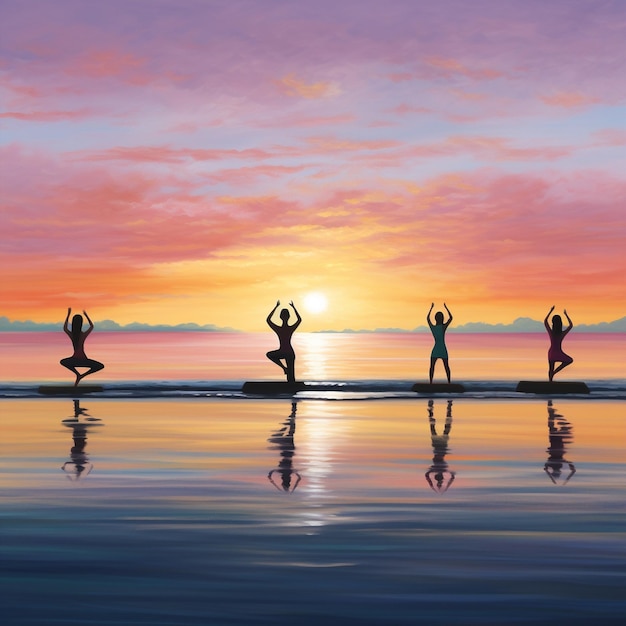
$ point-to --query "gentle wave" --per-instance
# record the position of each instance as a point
(613, 389)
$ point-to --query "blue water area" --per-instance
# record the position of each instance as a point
(240, 512)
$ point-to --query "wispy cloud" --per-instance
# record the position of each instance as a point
(293, 86)
(569, 100)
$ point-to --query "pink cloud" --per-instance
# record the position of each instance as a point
(404, 108)
(447, 68)
(610, 137)
(107, 63)
(166, 154)
(247, 175)
(300, 121)
(569, 100)
(46, 116)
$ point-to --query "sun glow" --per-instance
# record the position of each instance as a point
(315, 302)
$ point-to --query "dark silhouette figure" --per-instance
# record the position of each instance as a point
(560, 434)
(78, 337)
(285, 351)
(439, 351)
(79, 465)
(438, 476)
(283, 441)
(557, 334)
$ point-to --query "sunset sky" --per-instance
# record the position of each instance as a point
(170, 161)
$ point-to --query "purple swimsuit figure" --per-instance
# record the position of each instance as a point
(557, 334)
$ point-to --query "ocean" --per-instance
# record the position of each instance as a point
(181, 363)
(173, 499)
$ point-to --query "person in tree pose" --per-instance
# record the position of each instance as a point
(557, 334)
(285, 350)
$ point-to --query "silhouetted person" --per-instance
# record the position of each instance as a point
(439, 469)
(283, 438)
(556, 333)
(79, 465)
(78, 337)
(285, 351)
(560, 433)
(439, 351)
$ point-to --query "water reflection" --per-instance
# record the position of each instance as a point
(283, 440)
(559, 433)
(79, 464)
(439, 476)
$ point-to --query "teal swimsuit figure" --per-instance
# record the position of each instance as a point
(439, 350)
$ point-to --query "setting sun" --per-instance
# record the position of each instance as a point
(315, 302)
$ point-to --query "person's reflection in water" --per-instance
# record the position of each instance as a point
(283, 441)
(559, 433)
(439, 477)
(79, 465)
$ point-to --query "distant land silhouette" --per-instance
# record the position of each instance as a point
(520, 325)
(109, 325)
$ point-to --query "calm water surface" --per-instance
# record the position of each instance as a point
(239, 356)
(176, 512)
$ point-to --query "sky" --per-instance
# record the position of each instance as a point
(171, 161)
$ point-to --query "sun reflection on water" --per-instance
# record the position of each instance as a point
(321, 436)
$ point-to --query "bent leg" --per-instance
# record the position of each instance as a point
(94, 366)
(70, 363)
(567, 360)
(275, 356)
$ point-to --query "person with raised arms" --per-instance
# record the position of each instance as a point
(285, 350)
(77, 337)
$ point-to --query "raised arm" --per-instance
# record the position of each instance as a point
(269, 317)
(569, 321)
(90, 323)
(298, 318)
(445, 306)
(432, 306)
(545, 321)
(67, 319)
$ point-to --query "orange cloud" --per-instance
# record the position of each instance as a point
(293, 86)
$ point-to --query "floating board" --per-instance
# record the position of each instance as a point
(272, 387)
(68, 390)
(437, 388)
(547, 387)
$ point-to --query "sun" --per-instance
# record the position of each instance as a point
(315, 302)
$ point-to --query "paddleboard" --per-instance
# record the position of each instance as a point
(68, 390)
(438, 388)
(547, 387)
(272, 387)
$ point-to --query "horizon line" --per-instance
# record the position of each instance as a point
(519, 325)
